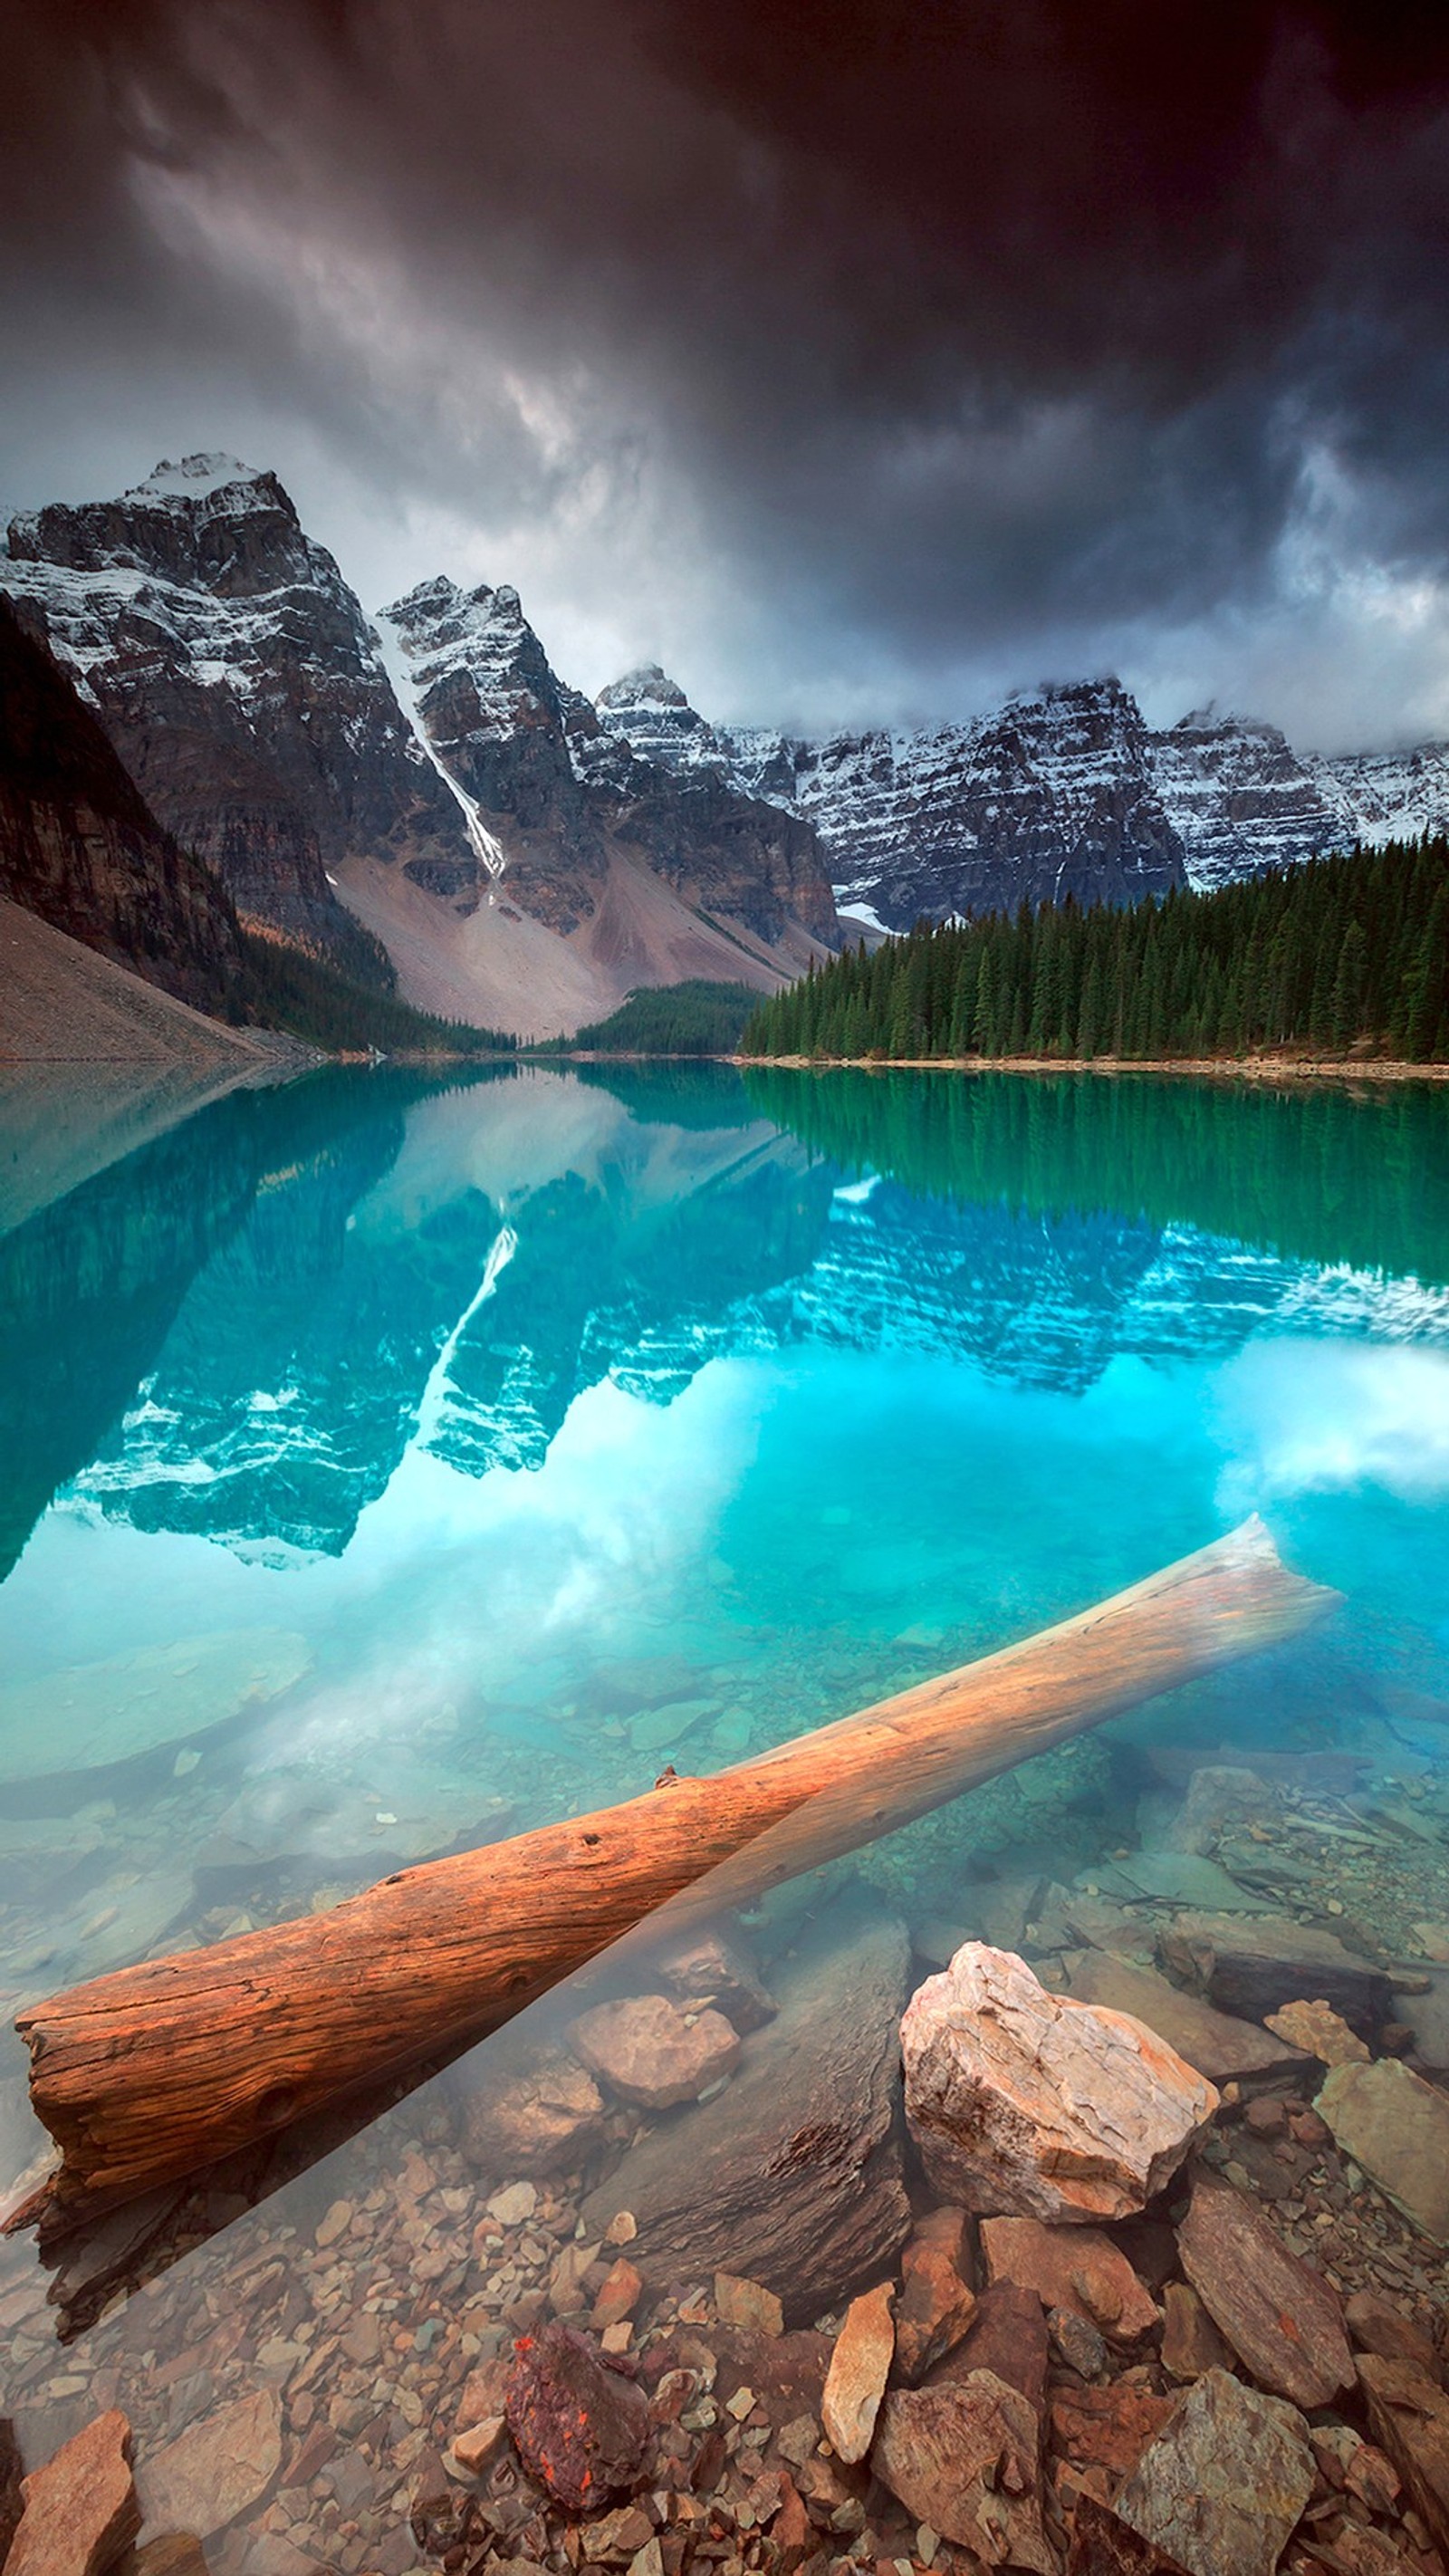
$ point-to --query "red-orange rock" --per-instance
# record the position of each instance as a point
(579, 2427)
(619, 2296)
(1070, 2267)
(1107, 2428)
(935, 2306)
(859, 2368)
(80, 2507)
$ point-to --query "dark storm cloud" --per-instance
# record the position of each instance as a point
(859, 353)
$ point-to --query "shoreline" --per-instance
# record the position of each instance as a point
(1262, 1068)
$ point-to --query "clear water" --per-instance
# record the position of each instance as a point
(381, 1457)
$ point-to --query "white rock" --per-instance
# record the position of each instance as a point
(1025, 2104)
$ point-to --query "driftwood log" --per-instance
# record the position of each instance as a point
(146, 2075)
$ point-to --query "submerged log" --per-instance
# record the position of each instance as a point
(148, 2074)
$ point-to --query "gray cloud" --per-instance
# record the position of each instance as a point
(857, 360)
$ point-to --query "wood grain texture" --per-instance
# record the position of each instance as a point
(148, 2074)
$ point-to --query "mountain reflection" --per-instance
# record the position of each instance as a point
(237, 1331)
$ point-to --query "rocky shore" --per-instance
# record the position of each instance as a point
(1099, 2230)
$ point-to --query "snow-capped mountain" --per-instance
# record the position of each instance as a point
(241, 683)
(363, 789)
(1061, 790)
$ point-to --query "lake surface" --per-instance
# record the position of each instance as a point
(390, 1465)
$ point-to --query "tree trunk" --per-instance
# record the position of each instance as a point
(145, 2075)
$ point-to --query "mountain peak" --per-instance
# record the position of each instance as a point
(645, 685)
(196, 478)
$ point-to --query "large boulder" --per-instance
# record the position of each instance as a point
(792, 2176)
(80, 2508)
(647, 2051)
(1028, 2104)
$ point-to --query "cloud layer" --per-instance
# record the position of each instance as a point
(857, 359)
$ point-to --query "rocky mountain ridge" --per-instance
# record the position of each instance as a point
(361, 789)
(80, 846)
(1061, 790)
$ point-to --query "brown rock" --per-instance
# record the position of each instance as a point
(1191, 2343)
(964, 2460)
(175, 2553)
(1219, 1797)
(791, 2535)
(1251, 1968)
(1224, 2483)
(1035, 2105)
(859, 2368)
(579, 2427)
(1396, 2127)
(748, 2304)
(221, 2466)
(1374, 2326)
(1107, 2428)
(793, 2177)
(1102, 2545)
(1410, 2420)
(1007, 2336)
(1319, 2031)
(647, 2051)
(1371, 2553)
(935, 2307)
(1070, 2267)
(541, 2112)
(619, 2296)
(1283, 2320)
(80, 2508)
(616, 2536)
(12, 2479)
(1222, 2049)
(476, 2449)
(714, 1966)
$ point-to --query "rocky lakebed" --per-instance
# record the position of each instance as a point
(1091, 2225)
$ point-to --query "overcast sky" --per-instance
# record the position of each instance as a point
(857, 359)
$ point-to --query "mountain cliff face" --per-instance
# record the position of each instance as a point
(1064, 790)
(363, 790)
(559, 791)
(240, 682)
(80, 846)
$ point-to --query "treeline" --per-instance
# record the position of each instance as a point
(695, 1018)
(1335, 954)
(285, 988)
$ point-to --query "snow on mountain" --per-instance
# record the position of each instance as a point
(1061, 790)
(242, 686)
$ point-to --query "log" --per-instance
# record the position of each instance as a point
(148, 2074)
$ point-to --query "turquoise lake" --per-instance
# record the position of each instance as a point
(391, 1464)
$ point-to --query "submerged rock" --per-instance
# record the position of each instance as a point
(859, 2368)
(579, 2427)
(964, 2460)
(217, 2468)
(80, 2508)
(714, 1966)
(935, 2306)
(1320, 2032)
(793, 2176)
(1410, 2420)
(1223, 2485)
(1029, 2104)
(1251, 1969)
(1283, 2320)
(1070, 2267)
(527, 2113)
(1396, 2127)
(1219, 2046)
(647, 2051)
